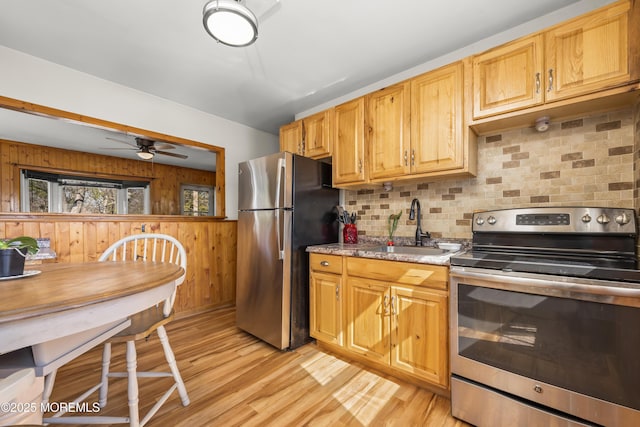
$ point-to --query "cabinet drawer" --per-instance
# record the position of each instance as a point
(325, 263)
(433, 276)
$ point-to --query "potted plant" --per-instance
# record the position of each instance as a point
(393, 224)
(13, 253)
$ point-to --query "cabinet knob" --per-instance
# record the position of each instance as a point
(324, 263)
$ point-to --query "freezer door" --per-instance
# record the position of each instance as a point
(265, 183)
(263, 294)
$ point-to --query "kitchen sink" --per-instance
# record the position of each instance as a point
(410, 250)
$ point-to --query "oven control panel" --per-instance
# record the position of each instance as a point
(556, 220)
(543, 219)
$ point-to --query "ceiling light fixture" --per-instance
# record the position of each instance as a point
(144, 153)
(230, 23)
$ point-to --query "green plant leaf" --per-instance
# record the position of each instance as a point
(22, 242)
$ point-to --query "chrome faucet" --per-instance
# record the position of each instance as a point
(412, 215)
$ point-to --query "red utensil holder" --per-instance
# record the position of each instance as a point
(350, 234)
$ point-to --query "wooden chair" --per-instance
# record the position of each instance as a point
(24, 390)
(139, 248)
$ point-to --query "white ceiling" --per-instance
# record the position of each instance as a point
(307, 53)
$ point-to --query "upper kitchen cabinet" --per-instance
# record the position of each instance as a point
(291, 138)
(318, 134)
(578, 61)
(437, 120)
(388, 139)
(508, 77)
(588, 54)
(309, 137)
(349, 153)
(418, 128)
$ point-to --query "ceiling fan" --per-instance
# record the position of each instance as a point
(147, 148)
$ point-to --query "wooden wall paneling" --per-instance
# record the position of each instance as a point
(90, 239)
(187, 236)
(76, 242)
(102, 238)
(210, 245)
(30, 229)
(48, 230)
(13, 229)
(226, 253)
(61, 243)
(200, 257)
(165, 180)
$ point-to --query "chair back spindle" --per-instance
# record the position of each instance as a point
(154, 247)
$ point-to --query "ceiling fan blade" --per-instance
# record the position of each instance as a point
(164, 146)
(164, 153)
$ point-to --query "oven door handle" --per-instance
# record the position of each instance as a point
(618, 293)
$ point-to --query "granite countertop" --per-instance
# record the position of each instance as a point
(368, 250)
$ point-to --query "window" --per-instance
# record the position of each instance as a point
(196, 200)
(48, 192)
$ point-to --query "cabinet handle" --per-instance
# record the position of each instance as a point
(393, 309)
(386, 304)
(550, 88)
(324, 263)
(537, 82)
(360, 165)
(413, 157)
(337, 293)
(406, 160)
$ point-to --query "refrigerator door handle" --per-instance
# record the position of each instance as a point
(282, 165)
(279, 232)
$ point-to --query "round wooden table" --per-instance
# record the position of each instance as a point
(67, 299)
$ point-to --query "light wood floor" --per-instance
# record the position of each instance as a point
(234, 379)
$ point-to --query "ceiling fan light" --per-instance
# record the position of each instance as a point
(230, 23)
(145, 154)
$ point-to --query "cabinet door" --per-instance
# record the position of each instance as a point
(317, 134)
(419, 342)
(508, 77)
(291, 137)
(588, 53)
(367, 318)
(349, 149)
(326, 307)
(388, 131)
(436, 120)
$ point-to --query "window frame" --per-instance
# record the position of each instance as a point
(197, 187)
(54, 193)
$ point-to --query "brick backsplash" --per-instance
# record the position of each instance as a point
(586, 161)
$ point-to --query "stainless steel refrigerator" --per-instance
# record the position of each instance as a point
(285, 203)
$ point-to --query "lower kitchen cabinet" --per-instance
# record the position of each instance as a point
(393, 314)
(325, 296)
(367, 318)
(419, 333)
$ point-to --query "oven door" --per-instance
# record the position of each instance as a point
(565, 343)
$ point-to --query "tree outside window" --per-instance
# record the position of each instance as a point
(196, 200)
(47, 192)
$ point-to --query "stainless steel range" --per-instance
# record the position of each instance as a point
(545, 319)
